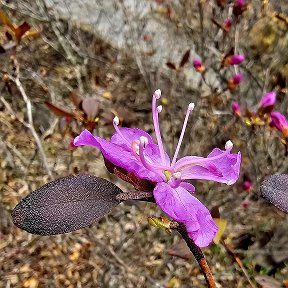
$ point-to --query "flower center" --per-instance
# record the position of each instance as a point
(138, 146)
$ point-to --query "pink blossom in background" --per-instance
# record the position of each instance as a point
(227, 24)
(267, 100)
(247, 185)
(236, 108)
(134, 150)
(234, 59)
(235, 81)
(198, 65)
(280, 122)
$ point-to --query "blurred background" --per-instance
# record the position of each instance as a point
(70, 65)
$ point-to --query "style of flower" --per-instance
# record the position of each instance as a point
(198, 65)
(134, 150)
(280, 122)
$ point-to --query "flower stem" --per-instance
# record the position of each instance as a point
(197, 253)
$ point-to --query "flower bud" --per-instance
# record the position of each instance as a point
(280, 122)
(235, 59)
(267, 100)
(236, 109)
(235, 81)
(227, 25)
(199, 67)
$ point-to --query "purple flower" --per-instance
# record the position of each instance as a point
(135, 151)
(267, 100)
(280, 122)
(236, 109)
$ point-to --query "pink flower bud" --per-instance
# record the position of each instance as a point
(239, 7)
(280, 122)
(246, 204)
(199, 67)
(227, 25)
(267, 100)
(236, 109)
(247, 185)
(234, 59)
(235, 81)
(239, 3)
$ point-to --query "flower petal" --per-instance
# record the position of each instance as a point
(130, 134)
(180, 205)
(151, 151)
(220, 166)
(117, 155)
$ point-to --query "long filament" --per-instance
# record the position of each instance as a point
(155, 115)
(190, 108)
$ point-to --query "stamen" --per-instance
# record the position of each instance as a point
(115, 124)
(155, 113)
(228, 145)
(144, 141)
(144, 162)
(191, 106)
(157, 94)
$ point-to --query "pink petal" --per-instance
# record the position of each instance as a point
(220, 166)
(117, 155)
(151, 151)
(267, 100)
(180, 205)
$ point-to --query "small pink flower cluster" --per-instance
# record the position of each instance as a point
(264, 114)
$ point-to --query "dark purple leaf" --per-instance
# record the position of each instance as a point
(275, 190)
(185, 58)
(65, 205)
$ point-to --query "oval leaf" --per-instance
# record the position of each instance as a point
(65, 205)
(275, 190)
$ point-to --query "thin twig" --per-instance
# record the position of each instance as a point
(197, 252)
(30, 123)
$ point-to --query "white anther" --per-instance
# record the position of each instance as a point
(191, 106)
(159, 108)
(176, 175)
(230, 182)
(143, 141)
(157, 93)
(116, 120)
(228, 145)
